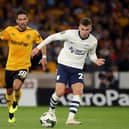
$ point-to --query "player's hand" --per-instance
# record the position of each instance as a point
(35, 51)
(100, 62)
(43, 62)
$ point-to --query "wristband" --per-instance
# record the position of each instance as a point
(44, 56)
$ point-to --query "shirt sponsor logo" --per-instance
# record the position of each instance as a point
(19, 43)
(76, 51)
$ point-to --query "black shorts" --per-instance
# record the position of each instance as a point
(10, 76)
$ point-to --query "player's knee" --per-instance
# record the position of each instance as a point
(60, 89)
(60, 92)
(17, 85)
(77, 89)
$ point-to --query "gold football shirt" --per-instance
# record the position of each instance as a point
(20, 46)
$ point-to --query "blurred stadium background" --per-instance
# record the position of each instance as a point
(104, 86)
(106, 95)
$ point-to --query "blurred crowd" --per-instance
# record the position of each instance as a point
(110, 20)
(108, 80)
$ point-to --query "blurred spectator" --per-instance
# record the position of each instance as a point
(113, 81)
(103, 83)
(111, 25)
(108, 79)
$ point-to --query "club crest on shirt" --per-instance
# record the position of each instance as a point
(13, 34)
(28, 36)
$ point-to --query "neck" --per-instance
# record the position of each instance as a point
(21, 29)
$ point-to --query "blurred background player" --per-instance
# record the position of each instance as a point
(20, 40)
(78, 44)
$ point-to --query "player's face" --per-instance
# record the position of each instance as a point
(22, 21)
(84, 30)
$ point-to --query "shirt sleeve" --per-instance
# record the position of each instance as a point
(62, 36)
(92, 53)
(38, 39)
(4, 35)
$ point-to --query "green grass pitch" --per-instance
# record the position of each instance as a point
(91, 117)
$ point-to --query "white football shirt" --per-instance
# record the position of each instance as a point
(75, 49)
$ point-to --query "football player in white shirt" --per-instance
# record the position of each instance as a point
(78, 43)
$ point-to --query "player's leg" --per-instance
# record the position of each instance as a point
(76, 83)
(17, 93)
(9, 100)
(19, 78)
(14, 106)
(75, 103)
(61, 80)
(9, 97)
(59, 91)
(9, 87)
(9, 75)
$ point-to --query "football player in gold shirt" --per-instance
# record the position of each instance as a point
(20, 40)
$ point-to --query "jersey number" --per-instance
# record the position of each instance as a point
(80, 76)
(22, 74)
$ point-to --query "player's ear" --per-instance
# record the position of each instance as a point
(79, 27)
(91, 28)
(16, 21)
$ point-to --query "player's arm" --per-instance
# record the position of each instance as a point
(54, 37)
(4, 35)
(43, 60)
(93, 57)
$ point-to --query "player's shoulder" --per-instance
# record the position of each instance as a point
(31, 29)
(10, 27)
(72, 30)
(93, 38)
(69, 31)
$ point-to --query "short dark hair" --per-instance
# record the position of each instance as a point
(86, 21)
(21, 11)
